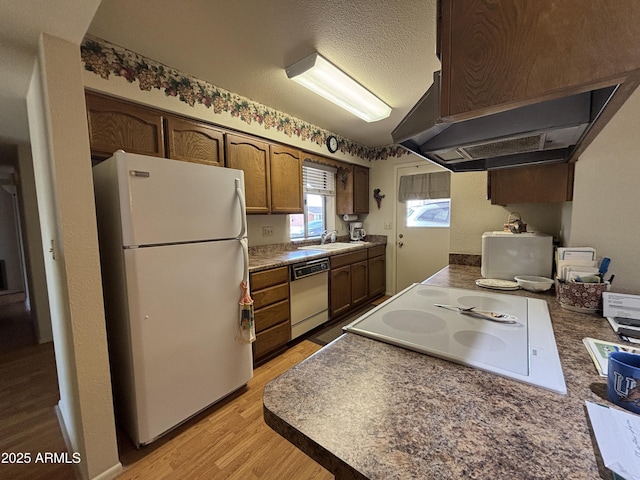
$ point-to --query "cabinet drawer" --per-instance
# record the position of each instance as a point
(348, 258)
(269, 278)
(267, 296)
(377, 251)
(271, 339)
(272, 315)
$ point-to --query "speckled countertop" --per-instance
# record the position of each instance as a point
(271, 256)
(365, 409)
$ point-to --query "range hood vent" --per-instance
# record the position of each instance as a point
(546, 132)
(506, 147)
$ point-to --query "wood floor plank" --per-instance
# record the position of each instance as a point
(231, 440)
(228, 441)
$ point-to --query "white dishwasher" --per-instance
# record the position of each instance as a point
(309, 289)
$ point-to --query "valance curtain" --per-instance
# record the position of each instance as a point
(425, 186)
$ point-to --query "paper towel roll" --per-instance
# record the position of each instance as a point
(350, 217)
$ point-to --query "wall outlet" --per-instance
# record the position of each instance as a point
(388, 225)
(267, 231)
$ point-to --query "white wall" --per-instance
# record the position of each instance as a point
(471, 213)
(9, 245)
(606, 197)
(64, 186)
(32, 244)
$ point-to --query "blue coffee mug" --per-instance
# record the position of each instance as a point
(623, 380)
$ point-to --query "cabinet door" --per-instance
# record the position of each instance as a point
(194, 142)
(252, 157)
(270, 341)
(360, 190)
(534, 184)
(340, 290)
(502, 54)
(286, 180)
(117, 125)
(359, 282)
(377, 276)
(352, 190)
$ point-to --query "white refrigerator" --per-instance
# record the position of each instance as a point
(173, 253)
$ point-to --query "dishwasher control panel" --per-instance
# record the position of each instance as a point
(301, 270)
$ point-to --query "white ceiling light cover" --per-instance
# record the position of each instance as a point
(322, 77)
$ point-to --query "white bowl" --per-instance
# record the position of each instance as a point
(533, 283)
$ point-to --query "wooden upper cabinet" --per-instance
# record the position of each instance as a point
(360, 190)
(502, 54)
(192, 141)
(117, 125)
(286, 180)
(534, 184)
(252, 157)
(352, 190)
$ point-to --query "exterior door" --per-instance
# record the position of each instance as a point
(420, 250)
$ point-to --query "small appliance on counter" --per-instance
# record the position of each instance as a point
(506, 254)
(356, 232)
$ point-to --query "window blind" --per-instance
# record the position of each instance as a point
(320, 181)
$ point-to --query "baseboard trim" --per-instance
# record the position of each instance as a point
(7, 298)
(109, 474)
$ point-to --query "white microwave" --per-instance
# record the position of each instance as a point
(506, 254)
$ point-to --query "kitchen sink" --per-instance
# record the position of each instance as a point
(331, 247)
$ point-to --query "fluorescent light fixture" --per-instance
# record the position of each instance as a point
(322, 77)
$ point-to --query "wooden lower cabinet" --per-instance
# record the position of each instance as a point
(272, 313)
(340, 290)
(359, 283)
(348, 282)
(377, 271)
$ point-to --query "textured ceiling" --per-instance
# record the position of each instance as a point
(20, 28)
(243, 46)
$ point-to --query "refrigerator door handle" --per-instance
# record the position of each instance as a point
(245, 255)
(243, 232)
(243, 207)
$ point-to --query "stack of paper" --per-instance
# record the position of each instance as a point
(576, 262)
(617, 433)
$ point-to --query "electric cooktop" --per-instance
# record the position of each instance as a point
(517, 342)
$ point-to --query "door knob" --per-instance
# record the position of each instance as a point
(400, 244)
(401, 236)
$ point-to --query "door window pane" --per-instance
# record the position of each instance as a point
(428, 213)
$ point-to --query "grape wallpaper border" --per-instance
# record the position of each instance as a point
(104, 59)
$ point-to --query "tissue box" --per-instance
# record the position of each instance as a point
(581, 297)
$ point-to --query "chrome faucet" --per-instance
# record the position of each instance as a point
(331, 234)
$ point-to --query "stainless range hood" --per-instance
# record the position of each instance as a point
(546, 132)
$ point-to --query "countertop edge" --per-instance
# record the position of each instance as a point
(284, 257)
(324, 457)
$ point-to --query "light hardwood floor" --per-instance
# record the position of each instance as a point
(228, 441)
